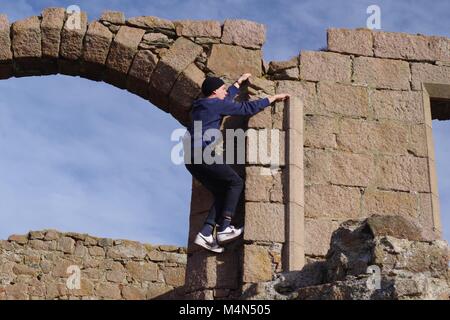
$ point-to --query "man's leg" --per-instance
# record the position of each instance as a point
(223, 175)
(218, 191)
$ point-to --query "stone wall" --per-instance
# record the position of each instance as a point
(362, 137)
(368, 140)
(379, 258)
(40, 264)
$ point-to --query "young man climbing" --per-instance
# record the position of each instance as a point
(219, 178)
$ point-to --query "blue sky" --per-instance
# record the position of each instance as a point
(84, 156)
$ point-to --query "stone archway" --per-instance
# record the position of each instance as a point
(367, 133)
(162, 61)
(165, 63)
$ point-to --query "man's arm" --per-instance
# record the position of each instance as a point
(231, 108)
(232, 91)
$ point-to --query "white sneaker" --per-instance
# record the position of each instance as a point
(208, 243)
(229, 234)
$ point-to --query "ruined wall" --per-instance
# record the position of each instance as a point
(37, 266)
(368, 140)
(358, 128)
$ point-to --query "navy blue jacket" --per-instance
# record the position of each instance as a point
(212, 110)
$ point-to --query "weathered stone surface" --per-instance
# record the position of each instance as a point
(114, 17)
(305, 91)
(108, 291)
(397, 105)
(143, 64)
(101, 277)
(123, 49)
(354, 41)
(76, 236)
(129, 249)
(187, 87)
(39, 244)
(411, 256)
(132, 293)
(140, 72)
(390, 202)
(156, 255)
(61, 266)
(418, 144)
(233, 61)
(155, 40)
(319, 66)
(51, 235)
(26, 38)
(354, 135)
(174, 276)
(408, 271)
(151, 23)
(17, 291)
(428, 73)
(320, 132)
(257, 264)
(96, 43)
(317, 236)
(116, 276)
(80, 250)
(387, 137)
(202, 199)
(261, 84)
(97, 251)
(347, 100)
(264, 188)
(198, 28)
(331, 201)
(405, 173)
(394, 226)
(264, 221)
(36, 235)
(168, 248)
(352, 169)
(206, 270)
(317, 163)
(441, 48)
(183, 117)
(157, 289)
(21, 239)
(245, 33)
(277, 66)
(25, 270)
(72, 36)
(182, 53)
(287, 74)
(381, 73)
(51, 25)
(5, 41)
(66, 244)
(141, 271)
(405, 46)
(359, 244)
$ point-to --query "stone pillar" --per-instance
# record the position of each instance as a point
(294, 251)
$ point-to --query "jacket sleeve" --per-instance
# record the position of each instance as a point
(232, 108)
(232, 91)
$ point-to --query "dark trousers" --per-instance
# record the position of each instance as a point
(225, 185)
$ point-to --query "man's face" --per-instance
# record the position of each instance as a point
(221, 93)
